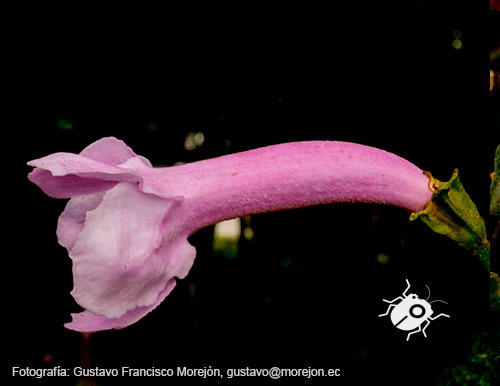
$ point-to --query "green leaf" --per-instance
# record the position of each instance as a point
(494, 292)
(495, 187)
(65, 124)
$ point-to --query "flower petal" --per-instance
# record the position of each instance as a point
(67, 186)
(97, 168)
(86, 321)
(72, 219)
(113, 151)
(127, 250)
(63, 175)
(108, 150)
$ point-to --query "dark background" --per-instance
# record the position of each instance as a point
(307, 289)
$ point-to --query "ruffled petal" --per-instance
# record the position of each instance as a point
(72, 219)
(99, 167)
(127, 251)
(108, 150)
(112, 151)
(64, 175)
(67, 186)
(87, 321)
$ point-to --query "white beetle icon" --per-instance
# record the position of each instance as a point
(411, 313)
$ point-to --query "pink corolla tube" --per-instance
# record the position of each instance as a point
(126, 224)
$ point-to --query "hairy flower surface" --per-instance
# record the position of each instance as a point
(126, 224)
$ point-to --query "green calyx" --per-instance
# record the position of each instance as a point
(452, 213)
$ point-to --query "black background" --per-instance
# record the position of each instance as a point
(307, 289)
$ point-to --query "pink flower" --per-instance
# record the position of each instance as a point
(126, 224)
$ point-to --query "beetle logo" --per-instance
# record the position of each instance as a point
(411, 313)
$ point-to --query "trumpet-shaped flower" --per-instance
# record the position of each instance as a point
(126, 224)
